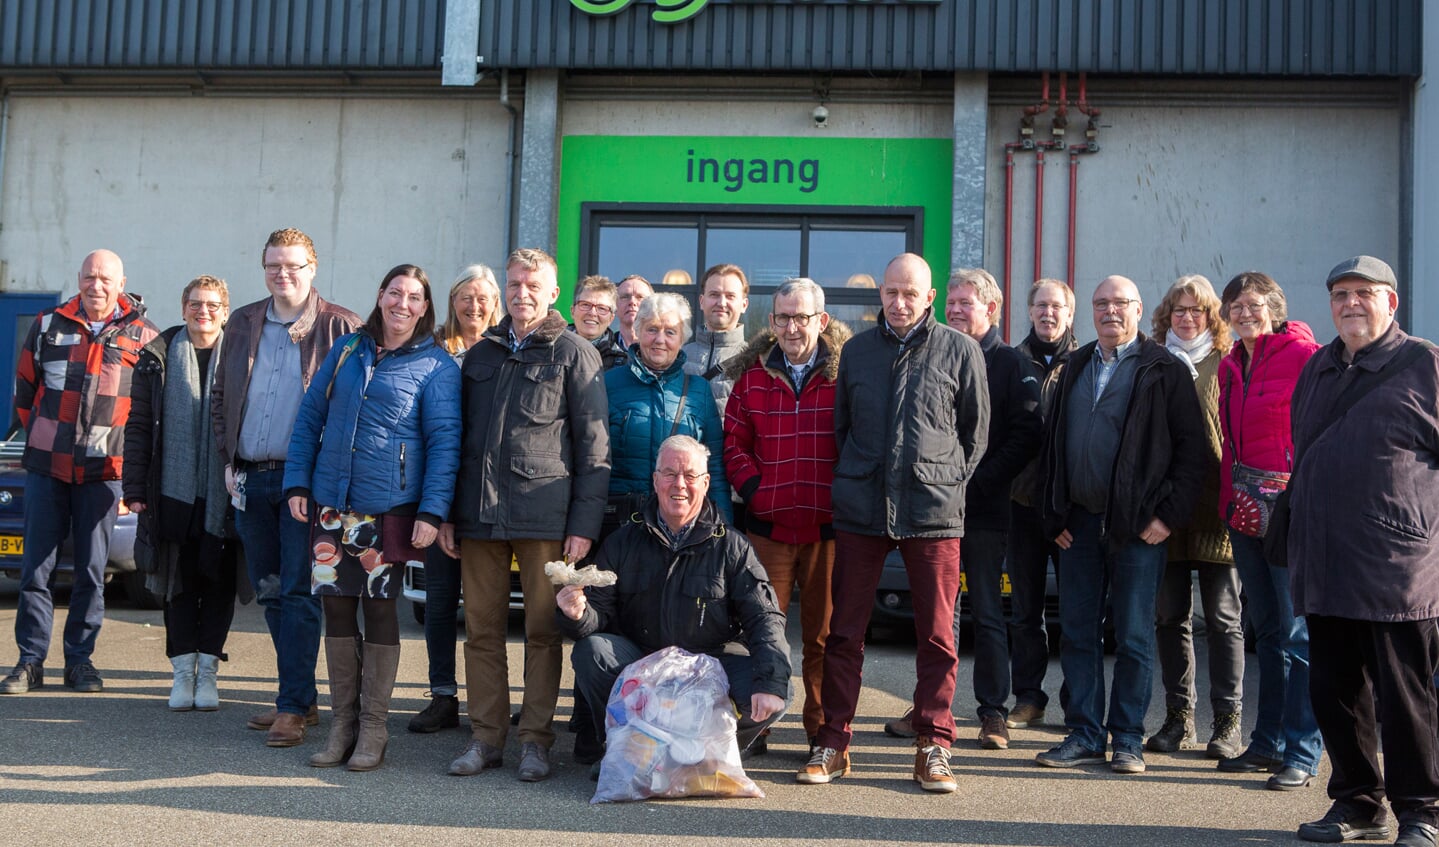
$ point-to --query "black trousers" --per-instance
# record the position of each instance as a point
(1362, 669)
(197, 620)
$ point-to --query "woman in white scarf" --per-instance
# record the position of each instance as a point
(1189, 323)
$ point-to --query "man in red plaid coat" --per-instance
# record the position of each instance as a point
(779, 456)
(72, 395)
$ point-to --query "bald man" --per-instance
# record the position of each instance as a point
(911, 418)
(1122, 465)
(72, 395)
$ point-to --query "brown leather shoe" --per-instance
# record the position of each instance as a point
(288, 730)
(264, 720)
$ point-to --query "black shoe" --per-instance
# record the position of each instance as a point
(1417, 835)
(442, 713)
(588, 746)
(1250, 762)
(757, 747)
(1176, 734)
(26, 676)
(1288, 778)
(1342, 825)
(1225, 739)
(84, 678)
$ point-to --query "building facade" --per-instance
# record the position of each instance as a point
(1063, 138)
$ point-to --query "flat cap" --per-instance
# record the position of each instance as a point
(1363, 267)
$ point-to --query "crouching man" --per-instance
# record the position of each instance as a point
(684, 580)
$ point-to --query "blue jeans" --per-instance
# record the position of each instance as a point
(1130, 578)
(1285, 728)
(442, 604)
(55, 510)
(277, 549)
(982, 555)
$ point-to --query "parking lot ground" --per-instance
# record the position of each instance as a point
(119, 768)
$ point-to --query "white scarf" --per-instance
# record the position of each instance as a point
(1190, 352)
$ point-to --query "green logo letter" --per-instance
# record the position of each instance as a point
(674, 11)
(601, 7)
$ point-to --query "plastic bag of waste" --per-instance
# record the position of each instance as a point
(671, 732)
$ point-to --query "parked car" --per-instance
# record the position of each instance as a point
(894, 607)
(12, 532)
(414, 589)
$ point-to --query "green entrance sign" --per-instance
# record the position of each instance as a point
(674, 11)
(810, 174)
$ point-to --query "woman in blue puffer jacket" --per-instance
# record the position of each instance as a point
(371, 468)
(651, 399)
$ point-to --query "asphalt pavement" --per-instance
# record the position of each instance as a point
(120, 768)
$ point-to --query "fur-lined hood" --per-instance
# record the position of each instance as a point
(758, 349)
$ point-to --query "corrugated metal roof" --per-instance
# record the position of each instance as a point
(1211, 37)
(221, 34)
(1221, 37)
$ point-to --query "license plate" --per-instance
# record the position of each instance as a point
(1004, 585)
(12, 545)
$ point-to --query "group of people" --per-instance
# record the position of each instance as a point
(721, 477)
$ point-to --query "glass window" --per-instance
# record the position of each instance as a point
(841, 258)
(769, 255)
(649, 250)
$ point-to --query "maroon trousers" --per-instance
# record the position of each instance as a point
(933, 568)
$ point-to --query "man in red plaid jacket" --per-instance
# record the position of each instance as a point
(72, 394)
(779, 455)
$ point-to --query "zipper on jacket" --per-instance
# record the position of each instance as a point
(402, 466)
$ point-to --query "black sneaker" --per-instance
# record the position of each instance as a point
(1342, 824)
(1176, 734)
(84, 678)
(588, 746)
(442, 713)
(25, 677)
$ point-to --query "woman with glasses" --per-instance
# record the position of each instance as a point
(475, 306)
(175, 484)
(591, 312)
(1256, 382)
(1188, 322)
(374, 491)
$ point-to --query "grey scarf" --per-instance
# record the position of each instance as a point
(188, 470)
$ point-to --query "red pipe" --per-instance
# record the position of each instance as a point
(1073, 205)
(1039, 209)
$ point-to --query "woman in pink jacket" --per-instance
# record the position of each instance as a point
(1256, 382)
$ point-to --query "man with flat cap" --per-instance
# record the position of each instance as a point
(1364, 568)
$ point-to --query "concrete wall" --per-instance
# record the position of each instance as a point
(180, 186)
(1213, 186)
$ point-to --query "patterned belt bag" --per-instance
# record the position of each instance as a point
(1255, 491)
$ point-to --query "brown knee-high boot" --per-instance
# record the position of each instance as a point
(382, 663)
(343, 656)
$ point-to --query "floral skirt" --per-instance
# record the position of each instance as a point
(356, 555)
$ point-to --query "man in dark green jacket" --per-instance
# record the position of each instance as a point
(534, 470)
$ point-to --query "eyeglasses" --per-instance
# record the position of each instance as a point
(598, 308)
(783, 321)
(204, 305)
(668, 477)
(291, 270)
(1341, 295)
(1246, 308)
(1117, 305)
(1195, 312)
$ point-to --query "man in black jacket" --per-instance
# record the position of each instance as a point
(1122, 464)
(911, 418)
(1046, 348)
(684, 580)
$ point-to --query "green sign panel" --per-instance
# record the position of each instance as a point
(674, 11)
(744, 171)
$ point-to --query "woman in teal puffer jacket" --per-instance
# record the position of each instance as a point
(651, 399)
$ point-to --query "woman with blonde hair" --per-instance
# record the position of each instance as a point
(1190, 324)
(475, 306)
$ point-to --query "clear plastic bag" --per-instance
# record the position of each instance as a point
(671, 732)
